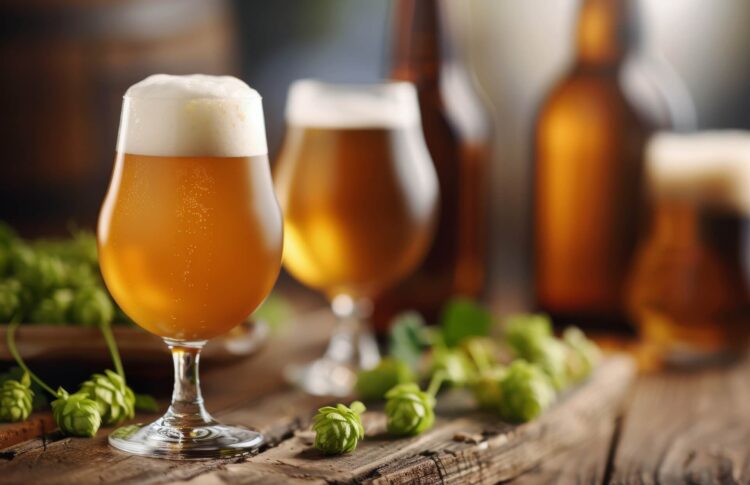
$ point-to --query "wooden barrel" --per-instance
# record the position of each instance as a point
(66, 65)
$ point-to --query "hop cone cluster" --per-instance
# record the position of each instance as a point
(16, 399)
(76, 414)
(338, 429)
(114, 399)
(409, 410)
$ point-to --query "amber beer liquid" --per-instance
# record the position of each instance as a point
(175, 257)
(588, 180)
(357, 219)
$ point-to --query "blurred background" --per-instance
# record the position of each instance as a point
(67, 63)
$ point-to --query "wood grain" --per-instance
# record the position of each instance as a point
(37, 425)
(499, 451)
(687, 427)
(502, 451)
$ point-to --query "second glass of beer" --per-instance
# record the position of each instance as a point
(359, 194)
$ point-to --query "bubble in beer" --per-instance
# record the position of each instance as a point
(192, 116)
(324, 105)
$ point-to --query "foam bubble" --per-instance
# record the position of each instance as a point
(189, 116)
(711, 168)
(324, 105)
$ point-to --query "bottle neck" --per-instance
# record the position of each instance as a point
(606, 31)
(417, 46)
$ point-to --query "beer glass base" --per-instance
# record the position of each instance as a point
(213, 440)
(323, 377)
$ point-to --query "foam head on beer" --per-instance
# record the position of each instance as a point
(324, 105)
(711, 168)
(192, 116)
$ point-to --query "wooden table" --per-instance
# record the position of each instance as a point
(669, 427)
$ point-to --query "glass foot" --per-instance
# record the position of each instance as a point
(210, 440)
(323, 377)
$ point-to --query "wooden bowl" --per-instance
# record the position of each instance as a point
(39, 343)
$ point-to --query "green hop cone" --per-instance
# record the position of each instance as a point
(486, 388)
(409, 410)
(91, 307)
(38, 271)
(453, 363)
(10, 299)
(76, 414)
(583, 353)
(372, 384)
(54, 308)
(526, 391)
(114, 399)
(552, 355)
(16, 400)
(338, 429)
(523, 331)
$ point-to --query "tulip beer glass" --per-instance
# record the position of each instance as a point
(190, 239)
(359, 194)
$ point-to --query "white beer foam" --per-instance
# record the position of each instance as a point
(318, 104)
(190, 116)
(712, 167)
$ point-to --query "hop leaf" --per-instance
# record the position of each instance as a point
(372, 384)
(91, 306)
(525, 392)
(338, 429)
(408, 337)
(16, 399)
(76, 414)
(463, 318)
(114, 399)
(409, 410)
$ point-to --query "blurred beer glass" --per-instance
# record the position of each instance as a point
(359, 194)
(189, 239)
(689, 288)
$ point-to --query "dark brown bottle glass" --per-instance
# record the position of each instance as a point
(456, 130)
(589, 141)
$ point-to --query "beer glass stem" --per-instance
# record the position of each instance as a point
(352, 342)
(187, 403)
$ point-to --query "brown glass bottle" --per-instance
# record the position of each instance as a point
(589, 143)
(456, 130)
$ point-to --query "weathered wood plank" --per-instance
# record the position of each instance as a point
(687, 427)
(583, 464)
(497, 451)
(37, 424)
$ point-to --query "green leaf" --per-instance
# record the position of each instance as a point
(408, 337)
(372, 384)
(146, 403)
(464, 318)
